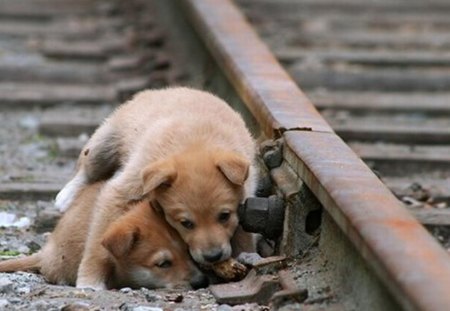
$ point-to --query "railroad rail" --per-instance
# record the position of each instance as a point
(370, 254)
(380, 80)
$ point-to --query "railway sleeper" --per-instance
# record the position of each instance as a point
(329, 251)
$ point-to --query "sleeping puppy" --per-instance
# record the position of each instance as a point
(142, 249)
(184, 150)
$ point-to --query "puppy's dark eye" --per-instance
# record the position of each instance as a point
(187, 224)
(164, 264)
(224, 216)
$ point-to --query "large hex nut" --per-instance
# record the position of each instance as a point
(263, 215)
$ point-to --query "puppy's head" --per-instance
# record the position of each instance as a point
(199, 192)
(147, 252)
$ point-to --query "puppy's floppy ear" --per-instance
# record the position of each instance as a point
(158, 174)
(233, 166)
(119, 240)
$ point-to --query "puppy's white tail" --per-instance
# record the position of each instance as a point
(29, 263)
(65, 197)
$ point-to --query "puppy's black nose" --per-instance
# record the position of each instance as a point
(213, 256)
(199, 281)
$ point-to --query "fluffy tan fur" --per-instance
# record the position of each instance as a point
(142, 249)
(184, 150)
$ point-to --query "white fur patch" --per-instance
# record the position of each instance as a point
(65, 197)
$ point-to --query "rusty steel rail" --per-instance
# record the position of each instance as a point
(414, 268)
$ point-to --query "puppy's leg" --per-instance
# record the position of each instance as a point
(29, 263)
(99, 160)
(95, 266)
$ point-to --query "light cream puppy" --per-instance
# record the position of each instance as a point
(142, 249)
(188, 153)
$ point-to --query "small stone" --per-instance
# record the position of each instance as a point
(33, 246)
(83, 137)
(150, 296)
(125, 290)
(7, 219)
(6, 285)
(4, 303)
(24, 290)
(249, 259)
(23, 222)
(411, 202)
(29, 122)
(175, 298)
(441, 205)
(15, 300)
(10, 220)
(23, 249)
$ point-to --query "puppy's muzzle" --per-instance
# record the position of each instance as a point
(213, 255)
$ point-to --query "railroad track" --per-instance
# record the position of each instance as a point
(352, 245)
(379, 74)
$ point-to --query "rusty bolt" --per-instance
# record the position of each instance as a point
(263, 215)
(272, 153)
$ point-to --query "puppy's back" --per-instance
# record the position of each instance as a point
(179, 108)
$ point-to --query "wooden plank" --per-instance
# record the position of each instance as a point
(366, 39)
(430, 103)
(348, 20)
(67, 126)
(69, 147)
(349, 6)
(432, 216)
(94, 51)
(73, 72)
(31, 28)
(98, 50)
(394, 133)
(395, 160)
(23, 95)
(389, 4)
(43, 9)
(437, 156)
(392, 79)
(365, 57)
(389, 21)
(29, 191)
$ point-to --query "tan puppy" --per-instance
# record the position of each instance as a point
(185, 150)
(143, 250)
